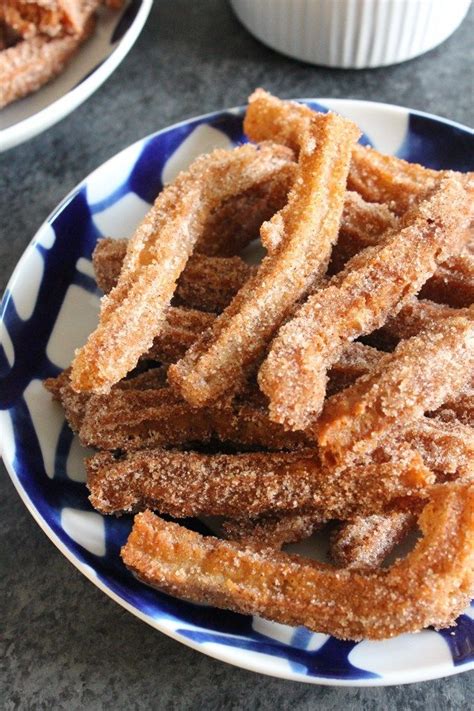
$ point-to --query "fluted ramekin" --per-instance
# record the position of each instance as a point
(351, 33)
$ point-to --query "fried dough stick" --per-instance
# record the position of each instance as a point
(378, 178)
(134, 311)
(207, 283)
(190, 484)
(138, 419)
(181, 328)
(431, 586)
(219, 362)
(375, 283)
(31, 63)
(140, 413)
(419, 376)
(53, 18)
(453, 282)
(75, 404)
(418, 315)
(237, 221)
(272, 531)
(365, 541)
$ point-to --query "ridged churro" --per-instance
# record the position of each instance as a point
(237, 221)
(190, 484)
(26, 66)
(378, 178)
(272, 531)
(138, 419)
(421, 374)
(220, 360)
(453, 282)
(375, 283)
(134, 311)
(365, 541)
(431, 586)
(207, 283)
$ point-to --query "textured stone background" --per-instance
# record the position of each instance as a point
(64, 644)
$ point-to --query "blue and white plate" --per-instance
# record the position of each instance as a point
(49, 308)
(114, 35)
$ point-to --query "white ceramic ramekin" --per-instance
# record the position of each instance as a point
(351, 33)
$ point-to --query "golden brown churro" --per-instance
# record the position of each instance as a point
(138, 419)
(237, 221)
(429, 587)
(180, 330)
(220, 360)
(445, 447)
(375, 283)
(47, 17)
(134, 311)
(272, 531)
(377, 177)
(365, 541)
(418, 315)
(422, 373)
(190, 484)
(453, 282)
(207, 283)
(28, 65)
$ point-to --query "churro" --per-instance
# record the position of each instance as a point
(207, 283)
(191, 484)
(47, 17)
(181, 328)
(272, 531)
(28, 65)
(138, 419)
(219, 362)
(453, 282)
(375, 283)
(237, 221)
(365, 541)
(431, 586)
(417, 315)
(378, 178)
(422, 373)
(134, 311)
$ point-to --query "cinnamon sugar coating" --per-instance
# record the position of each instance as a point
(378, 178)
(207, 283)
(28, 65)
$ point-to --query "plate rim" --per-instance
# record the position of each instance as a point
(398, 678)
(58, 109)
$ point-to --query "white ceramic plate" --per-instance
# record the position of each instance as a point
(114, 35)
(49, 308)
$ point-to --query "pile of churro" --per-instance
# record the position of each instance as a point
(38, 38)
(330, 386)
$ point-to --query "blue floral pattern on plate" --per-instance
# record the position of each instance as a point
(49, 307)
